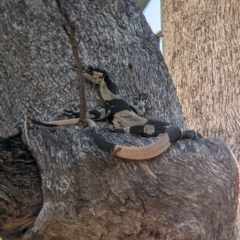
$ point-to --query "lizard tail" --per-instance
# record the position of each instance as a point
(171, 135)
(70, 121)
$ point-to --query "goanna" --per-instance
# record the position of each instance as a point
(126, 119)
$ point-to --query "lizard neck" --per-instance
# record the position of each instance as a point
(107, 93)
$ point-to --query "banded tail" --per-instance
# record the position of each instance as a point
(171, 135)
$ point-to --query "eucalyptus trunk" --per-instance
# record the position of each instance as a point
(202, 49)
(188, 192)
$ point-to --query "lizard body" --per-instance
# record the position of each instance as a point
(126, 119)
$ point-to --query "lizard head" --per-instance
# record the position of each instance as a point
(95, 75)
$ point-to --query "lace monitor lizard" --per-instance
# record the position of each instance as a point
(126, 119)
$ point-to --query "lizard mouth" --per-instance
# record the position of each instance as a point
(95, 73)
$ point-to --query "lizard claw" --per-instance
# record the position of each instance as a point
(142, 97)
(141, 102)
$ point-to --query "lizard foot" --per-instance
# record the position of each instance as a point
(142, 101)
(191, 134)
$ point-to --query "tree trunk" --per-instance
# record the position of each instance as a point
(202, 49)
(188, 192)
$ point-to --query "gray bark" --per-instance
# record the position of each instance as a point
(202, 48)
(20, 192)
(189, 192)
(142, 4)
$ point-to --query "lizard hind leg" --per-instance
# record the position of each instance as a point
(191, 134)
(95, 114)
(71, 114)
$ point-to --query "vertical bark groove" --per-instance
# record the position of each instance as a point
(202, 49)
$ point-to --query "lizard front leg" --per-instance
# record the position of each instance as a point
(140, 105)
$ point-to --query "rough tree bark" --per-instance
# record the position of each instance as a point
(202, 49)
(189, 192)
